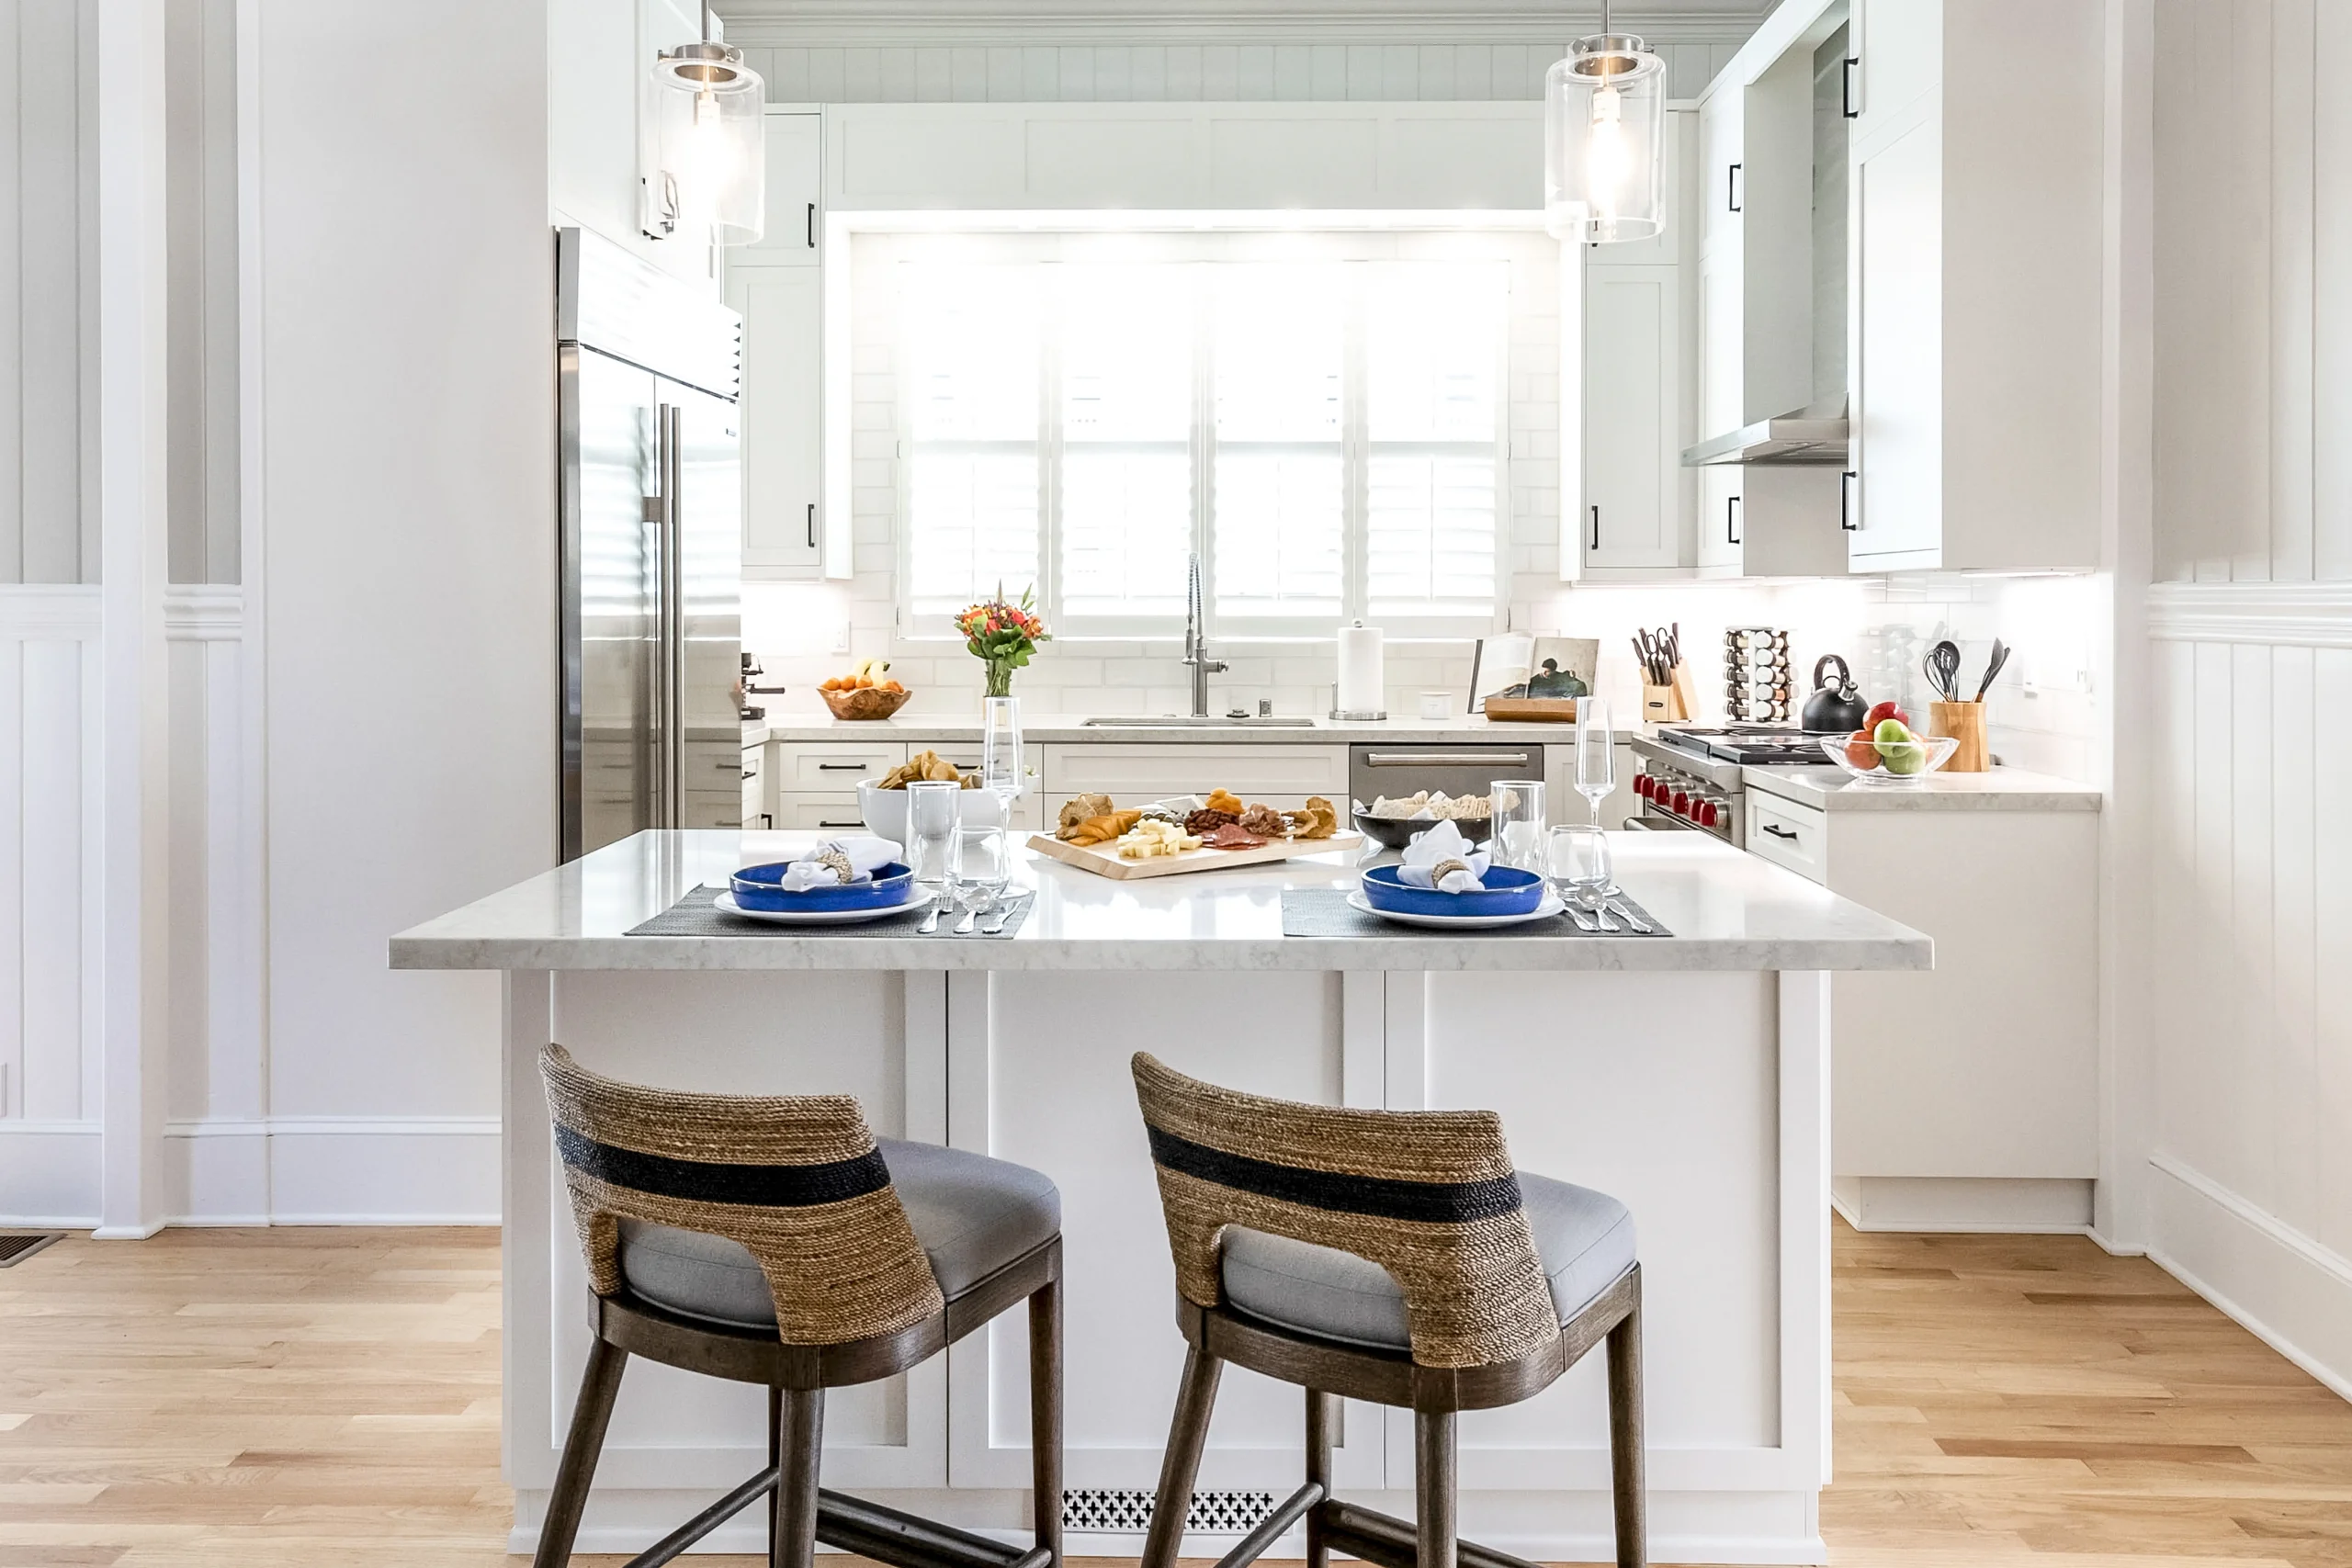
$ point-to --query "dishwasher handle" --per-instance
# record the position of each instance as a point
(1446, 760)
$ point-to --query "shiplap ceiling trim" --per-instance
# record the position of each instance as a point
(772, 23)
(2280, 615)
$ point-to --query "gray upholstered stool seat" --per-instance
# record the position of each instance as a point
(1585, 1240)
(971, 1215)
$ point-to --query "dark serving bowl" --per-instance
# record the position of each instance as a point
(1508, 891)
(1395, 833)
(757, 887)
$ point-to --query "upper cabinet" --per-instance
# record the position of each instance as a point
(1975, 189)
(778, 287)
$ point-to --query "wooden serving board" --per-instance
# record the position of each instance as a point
(1103, 861)
(1537, 710)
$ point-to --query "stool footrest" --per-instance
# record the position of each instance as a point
(909, 1540)
(1394, 1544)
(702, 1524)
(1269, 1529)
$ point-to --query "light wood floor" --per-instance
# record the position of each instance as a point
(272, 1398)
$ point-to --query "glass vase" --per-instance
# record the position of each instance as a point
(1000, 676)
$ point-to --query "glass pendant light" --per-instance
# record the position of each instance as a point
(1604, 140)
(709, 177)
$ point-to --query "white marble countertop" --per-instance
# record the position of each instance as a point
(1069, 728)
(1829, 788)
(1728, 910)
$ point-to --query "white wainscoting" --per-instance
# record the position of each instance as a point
(51, 749)
(2250, 1197)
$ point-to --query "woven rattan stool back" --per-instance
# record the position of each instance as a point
(795, 1179)
(1429, 1195)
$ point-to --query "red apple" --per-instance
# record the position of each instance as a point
(1860, 751)
(1884, 712)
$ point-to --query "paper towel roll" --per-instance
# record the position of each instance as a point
(1363, 685)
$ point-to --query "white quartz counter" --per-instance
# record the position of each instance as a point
(1061, 730)
(1827, 788)
(1728, 910)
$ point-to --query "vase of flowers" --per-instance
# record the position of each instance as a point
(1003, 635)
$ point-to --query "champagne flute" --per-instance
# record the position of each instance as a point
(1596, 754)
(1000, 776)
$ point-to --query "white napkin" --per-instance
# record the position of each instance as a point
(866, 854)
(1427, 850)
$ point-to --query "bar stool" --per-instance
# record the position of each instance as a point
(1389, 1255)
(774, 1240)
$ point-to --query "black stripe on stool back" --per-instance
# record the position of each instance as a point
(796, 1179)
(1429, 1195)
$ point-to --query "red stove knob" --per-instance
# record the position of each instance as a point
(1708, 816)
(1681, 804)
(1644, 785)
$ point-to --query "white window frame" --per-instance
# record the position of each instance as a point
(1358, 255)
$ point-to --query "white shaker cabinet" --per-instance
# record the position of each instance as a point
(782, 309)
(1975, 172)
(795, 197)
(1633, 437)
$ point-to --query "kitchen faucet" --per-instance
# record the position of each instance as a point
(1197, 642)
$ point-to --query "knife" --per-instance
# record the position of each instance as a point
(996, 921)
(1617, 901)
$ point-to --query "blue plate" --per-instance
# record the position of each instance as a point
(756, 887)
(1508, 891)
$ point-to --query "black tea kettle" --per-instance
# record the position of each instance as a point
(1835, 708)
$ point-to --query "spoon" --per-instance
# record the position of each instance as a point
(976, 898)
(2000, 657)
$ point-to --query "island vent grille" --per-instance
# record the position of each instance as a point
(16, 1248)
(1115, 1511)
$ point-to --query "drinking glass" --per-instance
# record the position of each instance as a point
(1001, 775)
(1578, 863)
(1596, 753)
(1517, 807)
(935, 836)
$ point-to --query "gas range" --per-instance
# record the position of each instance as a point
(1691, 773)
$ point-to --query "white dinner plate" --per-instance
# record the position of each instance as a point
(1549, 906)
(724, 904)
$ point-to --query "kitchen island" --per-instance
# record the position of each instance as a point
(1686, 1075)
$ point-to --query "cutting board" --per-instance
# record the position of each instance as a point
(1103, 861)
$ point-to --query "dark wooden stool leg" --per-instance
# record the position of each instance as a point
(1625, 1438)
(1045, 1417)
(591, 1415)
(776, 1453)
(1433, 1482)
(1321, 1410)
(793, 1523)
(1195, 1397)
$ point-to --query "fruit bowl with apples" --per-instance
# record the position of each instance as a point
(1887, 750)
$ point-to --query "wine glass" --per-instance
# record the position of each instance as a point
(1000, 776)
(1596, 753)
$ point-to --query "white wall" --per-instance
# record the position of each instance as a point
(2239, 1097)
(400, 302)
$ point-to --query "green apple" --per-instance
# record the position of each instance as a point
(1897, 748)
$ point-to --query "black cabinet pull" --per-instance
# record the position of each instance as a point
(854, 822)
(1846, 519)
(1845, 87)
(812, 225)
(812, 525)
(1731, 187)
(767, 821)
(841, 767)
(1733, 508)
(1596, 527)
(1776, 832)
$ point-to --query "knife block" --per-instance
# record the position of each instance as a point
(1671, 704)
(1965, 723)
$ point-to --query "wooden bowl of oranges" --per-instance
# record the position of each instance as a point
(865, 693)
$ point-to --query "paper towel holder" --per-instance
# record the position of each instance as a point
(1339, 717)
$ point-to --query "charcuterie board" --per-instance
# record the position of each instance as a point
(1103, 861)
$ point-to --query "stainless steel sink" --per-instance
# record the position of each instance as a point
(1186, 721)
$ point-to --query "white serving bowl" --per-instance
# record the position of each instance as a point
(885, 810)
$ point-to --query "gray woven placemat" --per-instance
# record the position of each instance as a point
(695, 914)
(1324, 911)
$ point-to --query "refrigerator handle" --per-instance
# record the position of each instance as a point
(670, 674)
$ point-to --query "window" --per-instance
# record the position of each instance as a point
(1327, 433)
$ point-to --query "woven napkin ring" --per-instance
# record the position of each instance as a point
(838, 863)
(1446, 868)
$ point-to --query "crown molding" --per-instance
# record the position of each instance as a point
(754, 24)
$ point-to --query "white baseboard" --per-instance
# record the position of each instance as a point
(2285, 1289)
(49, 1175)
(1964, 1205)
(337, 1170)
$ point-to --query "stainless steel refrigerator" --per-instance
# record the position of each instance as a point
(648, 373)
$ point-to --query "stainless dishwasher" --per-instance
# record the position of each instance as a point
(1394, 770)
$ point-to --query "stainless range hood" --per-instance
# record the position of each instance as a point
(1814, 433)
